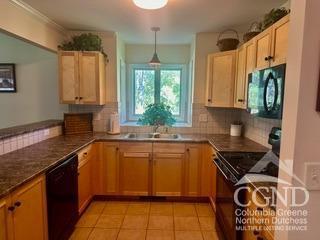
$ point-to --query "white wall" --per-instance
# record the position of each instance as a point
(167, 53)
(37, 84)
(301, 123)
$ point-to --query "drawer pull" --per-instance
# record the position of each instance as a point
(255, 232)
(11, 208)
(17, 204)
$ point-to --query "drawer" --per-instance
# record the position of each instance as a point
(85, 153)
(169, 148)
(136, 147)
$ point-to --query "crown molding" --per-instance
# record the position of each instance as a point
(38, 15)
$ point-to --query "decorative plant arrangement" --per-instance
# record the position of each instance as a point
(84, 42)
(157, 115)
(273, 16)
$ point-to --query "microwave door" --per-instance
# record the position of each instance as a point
(270, 94)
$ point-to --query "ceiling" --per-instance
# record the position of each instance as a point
(178, 21)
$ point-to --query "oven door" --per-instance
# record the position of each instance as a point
(226, 206)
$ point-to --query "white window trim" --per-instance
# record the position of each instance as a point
(185, 108)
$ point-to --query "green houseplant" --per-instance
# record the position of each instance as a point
(273, 16)
(84, 42)
(157, 114)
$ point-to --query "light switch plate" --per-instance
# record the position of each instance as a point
(203, 118)
(312, 176)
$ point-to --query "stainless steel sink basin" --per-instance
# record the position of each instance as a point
(153, 136)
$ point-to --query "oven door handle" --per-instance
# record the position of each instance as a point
(225, 176)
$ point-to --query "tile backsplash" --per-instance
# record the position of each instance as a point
(216, 121)
(258, 129)
(24, 140)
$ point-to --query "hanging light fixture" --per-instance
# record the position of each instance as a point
(150, 4)
(155, 59)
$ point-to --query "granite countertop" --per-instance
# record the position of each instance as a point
(22, 165)
(22, 129)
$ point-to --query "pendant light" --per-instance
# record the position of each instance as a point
(155, 62)
(150, 4)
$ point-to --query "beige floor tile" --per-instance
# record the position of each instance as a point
(188, 235)
(116, 208)
(81, 234)
(161, 209)
(160, 235)
(135, 222)
(204, 210)
(96, 207)
(110, 221)
(210, 235)
(184, 210)
(103, 234)
(186, 223)
(126, 234)
(161, 222)
(88, 220)
(138, 208)
(207, 223)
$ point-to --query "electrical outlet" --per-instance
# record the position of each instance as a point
(203, 118)
(312, 176)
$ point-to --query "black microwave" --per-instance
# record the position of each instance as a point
(265, 92)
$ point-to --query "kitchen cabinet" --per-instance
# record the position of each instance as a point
(240, 83)
(82, 77)
(5, 220)
(168, 169)
(135, 159)
(28, 211)
(208, 173)
(85, 178)
(272, 44)
(193, 163)
(221, 69)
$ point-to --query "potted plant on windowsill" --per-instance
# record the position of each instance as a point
(157, 115)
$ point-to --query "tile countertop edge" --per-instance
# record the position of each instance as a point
(81, 141)
(27, 128)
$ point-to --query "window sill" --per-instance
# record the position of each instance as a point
(134, 124)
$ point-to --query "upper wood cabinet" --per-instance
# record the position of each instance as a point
(272, 44)
(240, 83)
(5, 220)
(82, 77)
(221, 68)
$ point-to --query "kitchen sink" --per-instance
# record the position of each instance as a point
(152, 136)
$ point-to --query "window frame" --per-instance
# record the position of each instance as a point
(185, 103)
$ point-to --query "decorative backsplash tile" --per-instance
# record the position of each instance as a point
(25, 140)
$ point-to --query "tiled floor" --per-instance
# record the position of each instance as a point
(146, 221)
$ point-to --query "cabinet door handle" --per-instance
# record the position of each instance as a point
(255, 232)
(80, 98)
(209, 100)
(76, 98)
(266, 58)
(18, 204)
(85, 153)
(259, 209)
(11, 208)
(240, 100)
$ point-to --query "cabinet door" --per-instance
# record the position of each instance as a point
(5, 220)
(91, 73)
(280, 41)
(134, 173)
(110, 153)
(193, 169)
(84, 184)
(30, 215)
(240, 84)
(263, 49)
(69, 77)
(208, 173)
(220, 79)
(168, 174)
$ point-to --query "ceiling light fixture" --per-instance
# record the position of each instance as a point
(150, 4)
(155, 62)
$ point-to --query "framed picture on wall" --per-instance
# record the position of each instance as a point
(7, 78)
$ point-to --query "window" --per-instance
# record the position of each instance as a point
(168, 84)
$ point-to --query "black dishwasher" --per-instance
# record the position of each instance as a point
(62, 198)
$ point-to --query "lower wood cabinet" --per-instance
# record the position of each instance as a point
(193, 163)
(23, 214)
(84, 184)
(135, 175)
